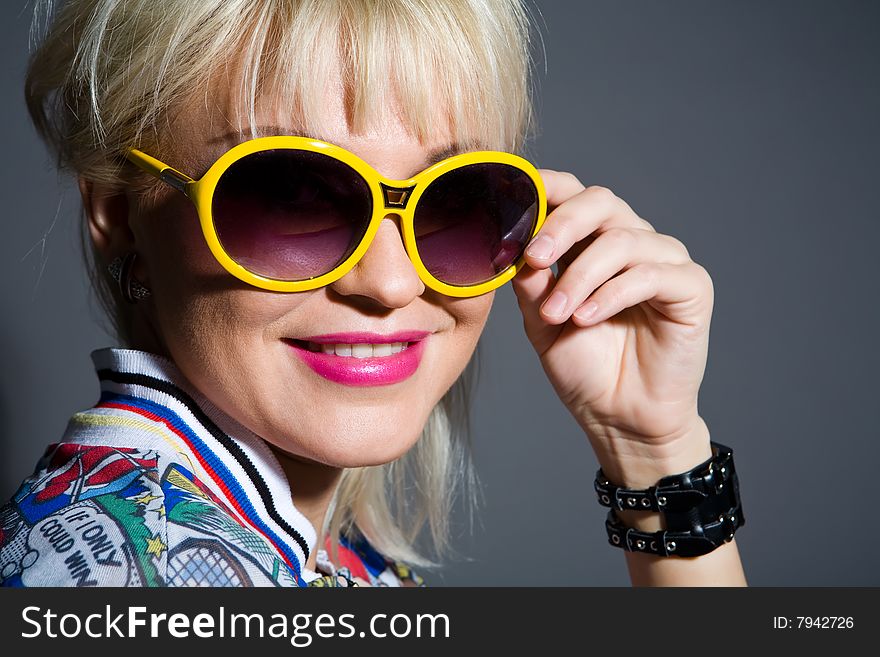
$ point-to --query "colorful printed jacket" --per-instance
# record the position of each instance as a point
(154, 486)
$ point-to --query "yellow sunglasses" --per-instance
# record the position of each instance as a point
(290, 214)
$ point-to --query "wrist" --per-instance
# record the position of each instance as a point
(643, 466)
(638, 465)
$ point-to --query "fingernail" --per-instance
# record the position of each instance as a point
(541, 247)
(554, 306)
(587, 311)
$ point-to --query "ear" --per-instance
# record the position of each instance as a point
(107, 212)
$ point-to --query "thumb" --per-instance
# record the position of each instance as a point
(531, 287)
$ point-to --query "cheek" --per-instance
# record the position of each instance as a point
(179, 258)
(457, 348)
(470, 314)
(194, 297)
(212, 324)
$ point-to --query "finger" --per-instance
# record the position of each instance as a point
(531, 287)
(590, 210)
(682, 292)
(613, 251)
(560, 186)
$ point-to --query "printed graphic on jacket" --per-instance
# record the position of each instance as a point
(101, 516)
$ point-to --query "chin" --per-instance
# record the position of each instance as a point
(359, 454)
(355, 451)
(349, 437)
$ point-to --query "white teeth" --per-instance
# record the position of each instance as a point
(360, 349)
(382, 350)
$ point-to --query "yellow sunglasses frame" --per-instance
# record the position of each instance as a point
(407, 192)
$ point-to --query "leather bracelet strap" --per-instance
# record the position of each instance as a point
(673, 493)
(667, 543)
(702, 508)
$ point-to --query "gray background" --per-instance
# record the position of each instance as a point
(749, 130)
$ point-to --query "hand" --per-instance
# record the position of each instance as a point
(626, 349)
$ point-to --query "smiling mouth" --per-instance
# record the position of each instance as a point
(353, 350)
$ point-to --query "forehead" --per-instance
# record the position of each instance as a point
(222, 116)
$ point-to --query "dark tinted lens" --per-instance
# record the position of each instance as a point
(473, 223)
(290, 214)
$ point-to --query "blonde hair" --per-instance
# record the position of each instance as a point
(110, 74)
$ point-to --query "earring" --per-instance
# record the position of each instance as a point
(131, 289)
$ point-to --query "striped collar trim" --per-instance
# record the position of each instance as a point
(234, 462)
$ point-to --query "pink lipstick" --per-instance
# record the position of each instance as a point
(362, 358)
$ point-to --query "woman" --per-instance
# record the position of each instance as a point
(293, 211)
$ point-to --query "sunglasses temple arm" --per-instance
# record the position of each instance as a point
(159, 169)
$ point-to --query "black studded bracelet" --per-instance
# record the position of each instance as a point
(702, 508)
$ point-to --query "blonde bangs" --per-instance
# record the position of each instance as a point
(440, 64)
(135, 64)
(391, 57)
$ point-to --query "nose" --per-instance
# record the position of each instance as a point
(384, 274)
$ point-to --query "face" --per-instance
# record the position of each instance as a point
(239, 345)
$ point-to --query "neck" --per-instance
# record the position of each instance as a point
(312, 486)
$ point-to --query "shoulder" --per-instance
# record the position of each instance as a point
(89, 515)
(99, 515)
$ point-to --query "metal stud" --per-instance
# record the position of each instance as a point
(605, 499)
(640, 544)
(671, 546)
(654, 545)
(615, 539)
(733, 519)
(661, 500)
(646, 501)
(631, 501)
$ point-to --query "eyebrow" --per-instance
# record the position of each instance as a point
(434, 156)
(439, 154)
